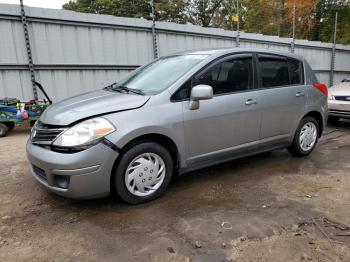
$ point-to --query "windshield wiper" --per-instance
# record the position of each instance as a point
(126, 89)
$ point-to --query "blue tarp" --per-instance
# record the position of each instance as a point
(10, 109)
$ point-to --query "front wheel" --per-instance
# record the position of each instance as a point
(306, 137)
(143, 172)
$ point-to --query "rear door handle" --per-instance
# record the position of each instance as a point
(251, 102)
(300, 94)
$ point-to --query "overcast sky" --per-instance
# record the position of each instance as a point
(57, 4)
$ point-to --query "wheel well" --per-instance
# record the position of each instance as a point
(157, 138)
(319, 119)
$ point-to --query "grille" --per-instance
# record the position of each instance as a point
(343, 98)
(44, 135)
(39, 172)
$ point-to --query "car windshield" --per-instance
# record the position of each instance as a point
(161, 73)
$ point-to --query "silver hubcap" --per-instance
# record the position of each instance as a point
(145, 174)
(308, 136)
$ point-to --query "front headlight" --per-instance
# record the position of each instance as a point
(331, 97)
(84, 133)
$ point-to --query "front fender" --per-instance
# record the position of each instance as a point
(163, 119)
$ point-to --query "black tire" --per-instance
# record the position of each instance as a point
(128, 156)
(10, 125)
(333, 119)
(295, 148)
(3, 130)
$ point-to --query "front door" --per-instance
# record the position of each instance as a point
(231, 119)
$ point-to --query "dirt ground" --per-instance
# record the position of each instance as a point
(270, 207)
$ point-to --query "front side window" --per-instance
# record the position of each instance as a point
(233, 75)
(161, 73)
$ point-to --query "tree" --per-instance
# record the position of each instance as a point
(262, 16)
(201, 12)
(124, 8)
(314, 19)
(172, 11)
(223, 15)
(327, 20)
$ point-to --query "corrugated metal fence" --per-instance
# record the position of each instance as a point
(76, 52)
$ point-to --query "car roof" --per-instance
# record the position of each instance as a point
(225, 51)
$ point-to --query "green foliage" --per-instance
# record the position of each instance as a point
(314, 19)
(172, 11)
(124, 8)
(327, 20)
(201, 12)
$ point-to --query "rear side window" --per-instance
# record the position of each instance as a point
(280, 72)
(274, 72)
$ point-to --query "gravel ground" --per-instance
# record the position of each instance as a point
(270, 207)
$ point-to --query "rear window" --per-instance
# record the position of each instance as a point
(276, 71)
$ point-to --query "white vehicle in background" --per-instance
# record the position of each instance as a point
(339, 101)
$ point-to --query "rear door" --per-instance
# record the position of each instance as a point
(283, 96)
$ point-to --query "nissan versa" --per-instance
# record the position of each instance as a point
(178, 113)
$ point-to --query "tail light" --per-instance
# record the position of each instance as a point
(322, 88)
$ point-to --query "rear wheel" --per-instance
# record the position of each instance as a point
(143, 173)
(3, 130)
(306, 137)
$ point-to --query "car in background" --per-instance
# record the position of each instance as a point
(339, 101)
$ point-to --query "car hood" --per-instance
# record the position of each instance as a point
(342, 89)
(90, 104)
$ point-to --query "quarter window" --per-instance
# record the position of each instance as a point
(295, 72)
(229, 76)
(183, 92)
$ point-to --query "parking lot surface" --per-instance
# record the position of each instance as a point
(270, 207)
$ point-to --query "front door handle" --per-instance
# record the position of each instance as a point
(251, 102)
(300, 94)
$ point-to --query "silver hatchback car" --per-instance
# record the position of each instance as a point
(176, 114)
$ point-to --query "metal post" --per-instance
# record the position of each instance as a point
(154, 34)
(293, 36)
(237, 37)
(331, 77)
(29, 51)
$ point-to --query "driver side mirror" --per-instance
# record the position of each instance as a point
(200, 92)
